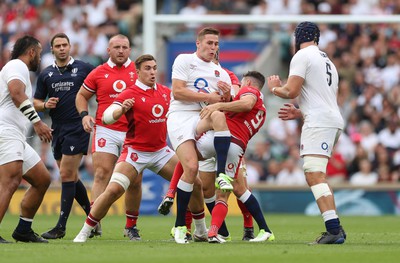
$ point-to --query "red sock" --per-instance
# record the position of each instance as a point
(173, 185)
(218, 216)
(188, 220)
(131, 218)
(247, 218)
(91, 221)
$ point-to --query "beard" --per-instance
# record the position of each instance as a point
(35, 63)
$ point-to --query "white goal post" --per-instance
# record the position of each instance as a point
(151, 19)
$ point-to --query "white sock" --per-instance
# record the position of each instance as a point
(200, 226)
(328, 215)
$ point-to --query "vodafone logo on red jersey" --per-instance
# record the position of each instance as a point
(119, 86)
(157, 110)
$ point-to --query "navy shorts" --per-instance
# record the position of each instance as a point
(69, 139)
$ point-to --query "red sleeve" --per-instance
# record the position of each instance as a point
(90, 81)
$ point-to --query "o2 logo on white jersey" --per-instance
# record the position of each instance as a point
(201, 85)
(157, 110)
(119, 86)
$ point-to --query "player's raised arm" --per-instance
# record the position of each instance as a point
(115, 111)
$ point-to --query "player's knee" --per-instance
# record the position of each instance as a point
(120, 179)
(321, 190)
(191, 169)
(218, 120)
(102, 176)
(314, 164)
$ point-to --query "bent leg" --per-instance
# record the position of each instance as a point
(103, 165)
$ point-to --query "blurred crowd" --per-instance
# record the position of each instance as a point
(367, 57)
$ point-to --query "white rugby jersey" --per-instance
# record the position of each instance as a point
(318, 97)
(10, 116)
(197, 74)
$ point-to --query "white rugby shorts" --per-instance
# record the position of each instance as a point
(316, 140)
(153, 161)
(208, 165)
(107, 140)
(181, 127)
(14, 149)
(205, 145)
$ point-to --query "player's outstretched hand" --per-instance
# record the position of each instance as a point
(289, 112)
(43, 131)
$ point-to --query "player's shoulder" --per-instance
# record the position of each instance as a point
(184, 58)
(15, 64)
(15, 67)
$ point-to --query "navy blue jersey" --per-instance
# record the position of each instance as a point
(63, 83)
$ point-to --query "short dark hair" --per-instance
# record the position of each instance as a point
(22, 45)
(58, 35)
(143, 58)
(258, 78)
(207, 31)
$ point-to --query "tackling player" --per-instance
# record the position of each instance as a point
(245, 115)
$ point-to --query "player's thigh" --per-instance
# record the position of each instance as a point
(187, 155)
(35, 172)
(168, 169)
(103, 163)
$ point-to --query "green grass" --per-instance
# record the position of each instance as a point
(370, 239)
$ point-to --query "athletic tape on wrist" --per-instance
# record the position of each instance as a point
(28, 110)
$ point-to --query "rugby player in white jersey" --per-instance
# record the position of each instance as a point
(195, 79)
(313, 78)
(17, 158)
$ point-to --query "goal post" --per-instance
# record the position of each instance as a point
(151, 19)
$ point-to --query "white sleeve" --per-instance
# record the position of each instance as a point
(297, 65)
(16, 71)
(180, 68)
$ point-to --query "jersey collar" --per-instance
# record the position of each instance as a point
(144, 86)
(71, 60)
(112, 64)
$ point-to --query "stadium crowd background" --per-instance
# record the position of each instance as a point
(367, 57)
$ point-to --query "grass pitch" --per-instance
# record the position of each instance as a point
(369, 239)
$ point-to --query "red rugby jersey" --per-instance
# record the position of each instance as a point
(107, 81)
(147, 121)
(244, 125)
